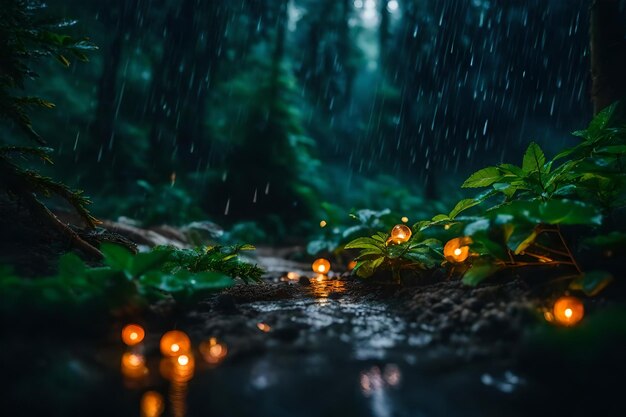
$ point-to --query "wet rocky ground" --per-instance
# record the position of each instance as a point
(306, 345)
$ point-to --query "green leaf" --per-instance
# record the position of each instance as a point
(366, 269)
(550, 212)
(504, 188)
(364, 243)
(484, 245)
(483, 178)
(478, 273)
(613, 150)
(209, 281)
(116, 256)
(144, 262)
(534, 158)
(440, 218)
(521, 239)
(71, 265)
(511, 172)
(600, 122)
(592, 283)
(462, 206)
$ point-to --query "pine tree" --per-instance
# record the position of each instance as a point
(26, 37)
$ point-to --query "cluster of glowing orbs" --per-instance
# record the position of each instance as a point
(400, 234)
(175, 343)
(213, 351)
(457, 250)
(133, 334)
(568, 310)
(321, 266)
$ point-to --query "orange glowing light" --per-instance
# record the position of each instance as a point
(351, 265)
(133, 365)
(178, 369)
(264, 327)
(133, 334)
(321, 266)
(152, 404)
(457, 250)
(568, 311)
(405, 219)
(323, 223)
(400, 234)
(174, 343)
(213, 351)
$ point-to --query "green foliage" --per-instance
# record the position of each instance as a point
(126, 282)
(154, 204)
(579, 186)
(25, 38)
(418, 253)
(222, 259)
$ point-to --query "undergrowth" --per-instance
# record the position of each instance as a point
(521, 219)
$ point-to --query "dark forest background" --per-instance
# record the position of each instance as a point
(280, 112)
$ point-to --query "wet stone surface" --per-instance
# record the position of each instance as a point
(307, 345)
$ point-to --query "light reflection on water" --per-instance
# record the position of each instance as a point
(375, 384)
(366, 332)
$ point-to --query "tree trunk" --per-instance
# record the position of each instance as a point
(608, 54)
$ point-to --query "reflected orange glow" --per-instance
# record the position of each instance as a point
(133, 365)
(351, 265)
(263, 327)
(174, 343)
(322, 288)
(321, 266)
(291, 276)
(152, 404)
(457, 250)
(548, 316)
(178, 398)
(400, 234)
(132, 334)
(177, 369)
(568, 311)
(212, 351)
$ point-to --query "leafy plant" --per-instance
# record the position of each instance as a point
(126, 282)
(24, 38)
(579, 186)
(377, 253)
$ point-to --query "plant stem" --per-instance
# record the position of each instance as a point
(547, 249)
(569, 252)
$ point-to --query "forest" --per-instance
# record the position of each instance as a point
(215, 206)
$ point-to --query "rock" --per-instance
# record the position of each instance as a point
(304, 281)
(473, 304)
(481, 328)
(225, 303)
(467, 316)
